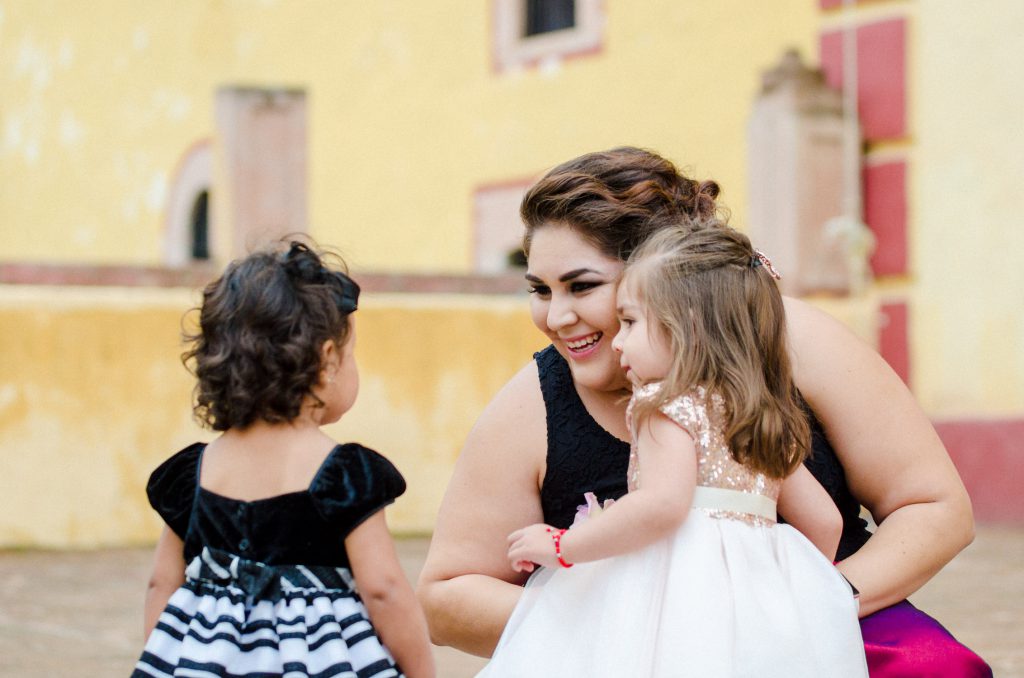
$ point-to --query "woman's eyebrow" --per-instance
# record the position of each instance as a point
(575, 273)
(565, 277)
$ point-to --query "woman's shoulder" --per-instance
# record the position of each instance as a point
(518, 405)
(806, 323)
(509, 436)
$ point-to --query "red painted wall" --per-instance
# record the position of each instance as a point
(885, 212)
(893, 341)
(990, 458)
(881, 75)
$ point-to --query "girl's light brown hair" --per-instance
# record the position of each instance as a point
(723, 317)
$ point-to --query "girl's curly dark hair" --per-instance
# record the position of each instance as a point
(256, 354)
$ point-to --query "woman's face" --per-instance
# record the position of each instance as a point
(573, 302)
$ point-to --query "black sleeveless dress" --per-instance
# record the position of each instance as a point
(584, 457)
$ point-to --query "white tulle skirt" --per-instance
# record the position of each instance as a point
(721, 598)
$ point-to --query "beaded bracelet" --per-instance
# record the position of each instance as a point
(557, 538)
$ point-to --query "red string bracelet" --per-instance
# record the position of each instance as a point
(557, 538)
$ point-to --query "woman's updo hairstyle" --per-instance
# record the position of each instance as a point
(262, 324)
(615, 199)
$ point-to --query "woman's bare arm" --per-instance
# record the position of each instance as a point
(168, 574)
(467, 587)
(388, 596)
(895, 464)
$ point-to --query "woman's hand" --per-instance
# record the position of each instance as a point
(532, 545)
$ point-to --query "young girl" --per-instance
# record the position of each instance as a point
(276, 555)
(689, 574)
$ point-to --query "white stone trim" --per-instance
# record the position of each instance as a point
(194, 175)
(514, 51)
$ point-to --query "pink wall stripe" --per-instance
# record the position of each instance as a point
(893, 341)
(881, 75)
(885, 211)
(990, 458)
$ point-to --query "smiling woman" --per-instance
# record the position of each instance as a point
(572, 301)
(558, 428)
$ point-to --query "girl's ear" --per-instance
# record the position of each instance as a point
(330, 358)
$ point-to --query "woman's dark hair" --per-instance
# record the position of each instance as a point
(262, 324)
(616, 199)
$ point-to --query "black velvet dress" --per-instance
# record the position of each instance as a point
(268, 589)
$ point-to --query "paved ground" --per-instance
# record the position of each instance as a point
(79, 613)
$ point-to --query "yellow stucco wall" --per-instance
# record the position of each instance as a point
(93, 397)
(407, 115)
(966, 204)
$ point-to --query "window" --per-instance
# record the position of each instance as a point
(199, 222)
(497, 228)
(532, 32)
(189, 230)
(545, 16)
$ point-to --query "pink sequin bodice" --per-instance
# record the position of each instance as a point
(703, 417)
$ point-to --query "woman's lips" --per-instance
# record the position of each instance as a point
(583, 346)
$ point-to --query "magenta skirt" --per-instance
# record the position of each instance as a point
(903, 642)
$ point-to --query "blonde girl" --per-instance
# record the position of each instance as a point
(690, 574)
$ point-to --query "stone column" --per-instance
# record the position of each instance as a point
(795, 147)
(262, 133)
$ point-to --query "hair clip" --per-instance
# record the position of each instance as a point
(306, 265)
(348, 298)
(761, 259)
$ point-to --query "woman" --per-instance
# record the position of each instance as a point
(557, 429)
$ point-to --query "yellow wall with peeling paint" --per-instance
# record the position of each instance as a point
(407, 116)
(967, 208)
(93, 397)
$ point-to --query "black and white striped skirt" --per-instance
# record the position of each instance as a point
(235, 617)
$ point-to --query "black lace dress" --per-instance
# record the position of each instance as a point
(584, 457)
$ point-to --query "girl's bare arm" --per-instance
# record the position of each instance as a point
(388, 596)
(895, 464)
(668, 474)
(168, 574)
(805, 505)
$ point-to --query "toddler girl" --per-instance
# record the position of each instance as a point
(276, 558)
(689, 574)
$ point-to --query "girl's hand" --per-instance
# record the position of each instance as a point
(532, 544)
